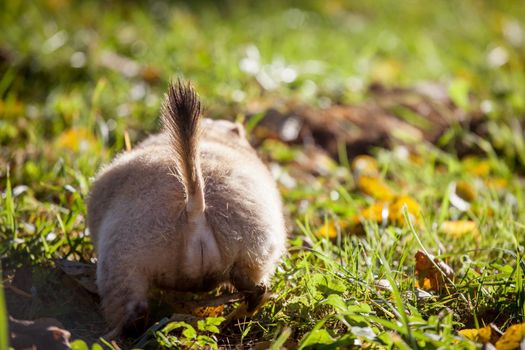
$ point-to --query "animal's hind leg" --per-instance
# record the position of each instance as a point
(124, 301)
(251, 284)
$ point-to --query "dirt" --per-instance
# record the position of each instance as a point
(38, 292)
(389, 117)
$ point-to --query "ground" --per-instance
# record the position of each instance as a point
(402, 248)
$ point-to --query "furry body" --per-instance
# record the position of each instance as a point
(188, 209)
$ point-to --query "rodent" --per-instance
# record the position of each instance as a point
(188, 209)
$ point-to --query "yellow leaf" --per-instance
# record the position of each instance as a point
(328, 230)
(79, 139)
(512, 338)
(497, 183)
(377, 212)
(375, 187)
(364, 165)
(396, 209)
(476, 166)
(460, 228)
(384, 212)
(482, 335)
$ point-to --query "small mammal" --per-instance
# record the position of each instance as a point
(187, 209)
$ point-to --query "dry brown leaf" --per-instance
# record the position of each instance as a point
(428, 275)
(150, 73)
(208, 311)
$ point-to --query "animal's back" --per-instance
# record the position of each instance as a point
(138, 188)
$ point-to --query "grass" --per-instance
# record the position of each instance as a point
(64, 113)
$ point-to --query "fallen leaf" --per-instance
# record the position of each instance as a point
(460, 228)
(482, 335)
(428, 275)
(396, 215)
(384, 212)
(328, 230)
(208, 311)
(377, 212)
(375, 187)
(150, 73)
(497, 183)
(513, 338)
(78, 139)
(476, 166)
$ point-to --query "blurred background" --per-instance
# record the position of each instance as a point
(87, 75)
(59, 57)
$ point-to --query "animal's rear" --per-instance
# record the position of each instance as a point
(157, 242)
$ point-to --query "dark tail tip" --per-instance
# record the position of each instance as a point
(182, 103)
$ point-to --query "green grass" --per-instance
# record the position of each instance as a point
(55, 92)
